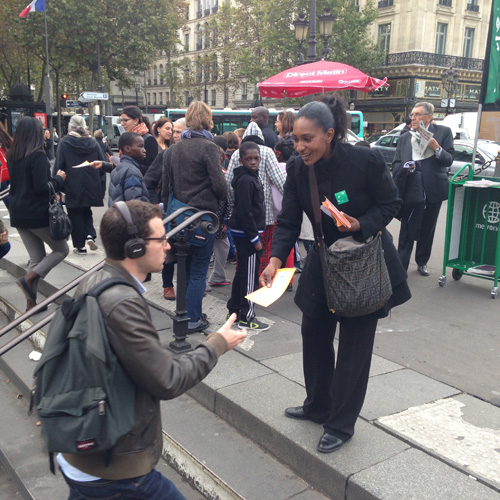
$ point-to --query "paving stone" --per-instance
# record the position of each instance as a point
(414, 475)
(396, 391)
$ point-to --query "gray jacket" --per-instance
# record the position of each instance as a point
(156, 372)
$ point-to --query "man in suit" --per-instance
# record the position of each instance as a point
(433, 163)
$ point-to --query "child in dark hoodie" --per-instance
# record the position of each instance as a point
(247, 223)
(126, 182)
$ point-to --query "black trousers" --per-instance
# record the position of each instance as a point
(83, 225)
(336, 392)
(246, 279)
(425, 240)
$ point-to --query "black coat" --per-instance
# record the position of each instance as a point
(372, 199)
(29, 191)
(434, 170)
(84, 186)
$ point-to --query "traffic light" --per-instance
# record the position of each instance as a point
(64, 98)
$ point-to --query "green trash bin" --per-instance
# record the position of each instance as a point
(472, 243)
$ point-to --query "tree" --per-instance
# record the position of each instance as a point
(254, 39)
(129, 34)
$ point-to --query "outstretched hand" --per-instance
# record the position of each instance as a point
(232, 337)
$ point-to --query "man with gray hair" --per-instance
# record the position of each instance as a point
(179, 127)
(433, 162)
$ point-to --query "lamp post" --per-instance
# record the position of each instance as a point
(450, 83)
(303, 27)
(137, 90)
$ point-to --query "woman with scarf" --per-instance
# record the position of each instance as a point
(84, 186)
(192, 173)
(133, 120)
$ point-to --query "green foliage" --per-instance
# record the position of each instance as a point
(130, 34)
(255, 39)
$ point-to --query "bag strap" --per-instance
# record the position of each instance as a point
(103, 285)
(313, 188)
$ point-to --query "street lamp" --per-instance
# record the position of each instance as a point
(137, 90)
(326, 30)
(303, 27)
(450, 83)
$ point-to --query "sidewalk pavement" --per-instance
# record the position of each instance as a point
(416, 437)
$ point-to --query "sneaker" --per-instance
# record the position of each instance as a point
(91, 243)
(219, 283)
(80, 251)
(202, 325)
(231, 260)
(169, 293)
(253, 325)
(6, 217)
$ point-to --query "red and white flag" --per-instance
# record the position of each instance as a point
(34, 6)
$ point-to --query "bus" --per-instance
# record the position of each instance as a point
(228, 120)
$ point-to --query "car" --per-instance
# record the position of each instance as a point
(486, 153)
(387, 146)
(375, 137)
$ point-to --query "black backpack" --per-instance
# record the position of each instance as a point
(84, 398)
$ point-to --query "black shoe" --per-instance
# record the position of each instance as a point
(423, 270)
(297, 412)
(203, 324)
(329, 443)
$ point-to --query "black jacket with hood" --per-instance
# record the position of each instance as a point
(84, 186)
(249, 215)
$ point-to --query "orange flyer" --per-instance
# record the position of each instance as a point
(336, 214)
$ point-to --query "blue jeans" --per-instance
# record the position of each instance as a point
(152, 486)
(196, 275)
(4, 249)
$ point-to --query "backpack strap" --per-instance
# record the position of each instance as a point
(103, 285)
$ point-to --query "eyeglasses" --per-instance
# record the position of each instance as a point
(125, 120)
(416, 115)
(163, 239)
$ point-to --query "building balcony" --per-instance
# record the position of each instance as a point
(446, 3)
(473, 7)
(215, 8)
(199, 14)
(207, 12)
(430, 59)
(385, 3)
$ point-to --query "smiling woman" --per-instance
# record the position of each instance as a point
(358, 183)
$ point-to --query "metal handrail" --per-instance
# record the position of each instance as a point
(190, 223)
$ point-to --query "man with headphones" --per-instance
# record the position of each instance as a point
(135, 243)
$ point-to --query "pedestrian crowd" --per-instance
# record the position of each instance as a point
(263, 188)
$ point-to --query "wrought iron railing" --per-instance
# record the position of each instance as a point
(446, 3)
(385, 3)
(430, 59)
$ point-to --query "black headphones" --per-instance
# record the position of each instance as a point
(135, 247)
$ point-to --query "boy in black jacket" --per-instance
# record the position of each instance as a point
(247, 222)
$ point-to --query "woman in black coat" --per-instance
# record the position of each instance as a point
(85, 186)
(357, 181)
(29, 171)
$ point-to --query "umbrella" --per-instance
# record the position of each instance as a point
(322, 76)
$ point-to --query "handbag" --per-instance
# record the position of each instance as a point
(59, 221)
(413, 194)
(355, 278)
(199, 238)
